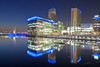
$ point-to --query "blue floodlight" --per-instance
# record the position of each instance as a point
(79, 11)
(52, 61)
(71, 61)
(52, 9)
(34, 18)
(96, 18)
(79, 60)
(33, 54)
(50, 50)
(96, 55)
(10, 35)
(39, 18)
(50, 21)
(16, 35)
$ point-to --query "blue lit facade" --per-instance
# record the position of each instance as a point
(40, 26)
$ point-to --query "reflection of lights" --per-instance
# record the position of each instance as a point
(58, 49)
(14, 38)
(51, 61)
(83, 46)
(93, 47)
(79, 60)
(33, 54)
(50, 50)
(16, 35)
(96, 57)
(71, 61)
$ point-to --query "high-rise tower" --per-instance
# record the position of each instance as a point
(52, 14)
(75, 17)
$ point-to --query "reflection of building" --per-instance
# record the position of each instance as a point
(52, 14)
(96, 23)
(39, 46)
(52, 57)
(75, 52)
(40, 26)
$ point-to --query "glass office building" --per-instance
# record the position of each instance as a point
(40, 26)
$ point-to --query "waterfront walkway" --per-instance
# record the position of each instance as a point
(77, 37)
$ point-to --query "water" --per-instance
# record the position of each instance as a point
(46, 52)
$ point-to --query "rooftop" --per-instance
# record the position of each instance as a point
(39, 18)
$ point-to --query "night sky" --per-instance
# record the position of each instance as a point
(14, 13)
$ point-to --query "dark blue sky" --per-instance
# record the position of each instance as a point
(15, 12)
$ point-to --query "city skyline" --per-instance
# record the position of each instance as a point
(49, 33)
(15, 13)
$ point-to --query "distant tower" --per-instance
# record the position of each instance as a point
(52, 14)
(75, 17)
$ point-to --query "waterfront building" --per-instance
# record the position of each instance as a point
(40, 26)
(74, 30)
(59, 27)
(75, 17)
(96, 24)
(52, 14)
(86, 25)
(87, 31)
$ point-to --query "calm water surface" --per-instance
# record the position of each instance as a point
(46, 52)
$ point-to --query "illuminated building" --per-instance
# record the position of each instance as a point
(58, 27)
(75, 17)
(86, 25)
(52, 14)
(73, 29)
(96, 24)
(40, 26)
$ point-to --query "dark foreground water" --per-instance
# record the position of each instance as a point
(46, 52)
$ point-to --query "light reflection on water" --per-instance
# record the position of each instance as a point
(50, 51)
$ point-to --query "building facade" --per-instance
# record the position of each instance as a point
(75, 17)
(40, 26)
(59, 27)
